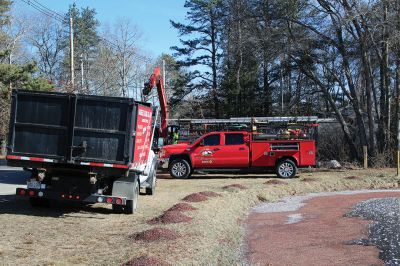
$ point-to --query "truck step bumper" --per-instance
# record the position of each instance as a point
(93, 198)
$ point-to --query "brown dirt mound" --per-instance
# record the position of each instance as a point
(239, 186)
(308, 179)
(145, 261)
(170, 217)
(210, 194)
(182, 207)
(353, 177)
(275, 182)
(156, 234)
(195, 197)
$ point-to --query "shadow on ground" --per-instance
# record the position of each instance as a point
(221, 175)
(13, 204)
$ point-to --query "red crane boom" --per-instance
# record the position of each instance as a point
(157, 81)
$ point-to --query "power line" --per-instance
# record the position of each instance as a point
(49, 13)
(59, 17)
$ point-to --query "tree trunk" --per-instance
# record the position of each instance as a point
(368, 90)
(346, 131)
(384, 122)
(214, 64)
(266, 87)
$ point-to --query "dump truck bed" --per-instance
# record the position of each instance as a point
(74, 128)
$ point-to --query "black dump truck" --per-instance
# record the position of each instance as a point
(85, 148)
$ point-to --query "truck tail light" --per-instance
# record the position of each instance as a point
(31, 193)
(109, 200)
(22, 192)
(63, 196)
(118, 201)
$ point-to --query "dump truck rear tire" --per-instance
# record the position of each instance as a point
(152, 189)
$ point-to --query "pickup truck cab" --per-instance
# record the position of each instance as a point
(238, 150)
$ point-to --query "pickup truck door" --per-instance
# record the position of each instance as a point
(204, 155)
(235, 151)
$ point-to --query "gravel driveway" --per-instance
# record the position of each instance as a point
(384, 232)
(317, 229)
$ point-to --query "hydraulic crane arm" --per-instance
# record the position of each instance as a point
(157, 81)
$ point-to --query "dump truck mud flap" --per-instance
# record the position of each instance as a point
(124, 186)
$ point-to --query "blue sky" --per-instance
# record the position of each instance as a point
(151, 17)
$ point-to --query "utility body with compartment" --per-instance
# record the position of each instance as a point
(239, 150)
(82, 148)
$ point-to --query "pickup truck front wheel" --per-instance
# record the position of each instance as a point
(286, 168)
(180, 168)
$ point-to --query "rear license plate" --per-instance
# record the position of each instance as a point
(35, 185)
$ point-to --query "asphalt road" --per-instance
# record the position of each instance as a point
(11, 178)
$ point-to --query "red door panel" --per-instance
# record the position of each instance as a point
(234, 153)
(205, 155)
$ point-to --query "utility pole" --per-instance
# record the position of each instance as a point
(81, 71)
(124, 77)
(71, 47)
(281, 81)
(398, 149)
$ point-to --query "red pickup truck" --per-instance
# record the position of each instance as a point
(238, 150)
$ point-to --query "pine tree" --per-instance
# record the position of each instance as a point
(202, 47)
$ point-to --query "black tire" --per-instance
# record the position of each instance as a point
(39, 202)
(131, 205)
(286, 168)
(152, 181)
(179, 168)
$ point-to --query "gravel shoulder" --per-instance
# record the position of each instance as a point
(384, 232)
(315, 230)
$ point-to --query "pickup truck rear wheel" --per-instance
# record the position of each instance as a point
(180, 168)
(286, 168)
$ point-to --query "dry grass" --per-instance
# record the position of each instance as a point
(275, 182)
(308, 179)
(96, 236)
